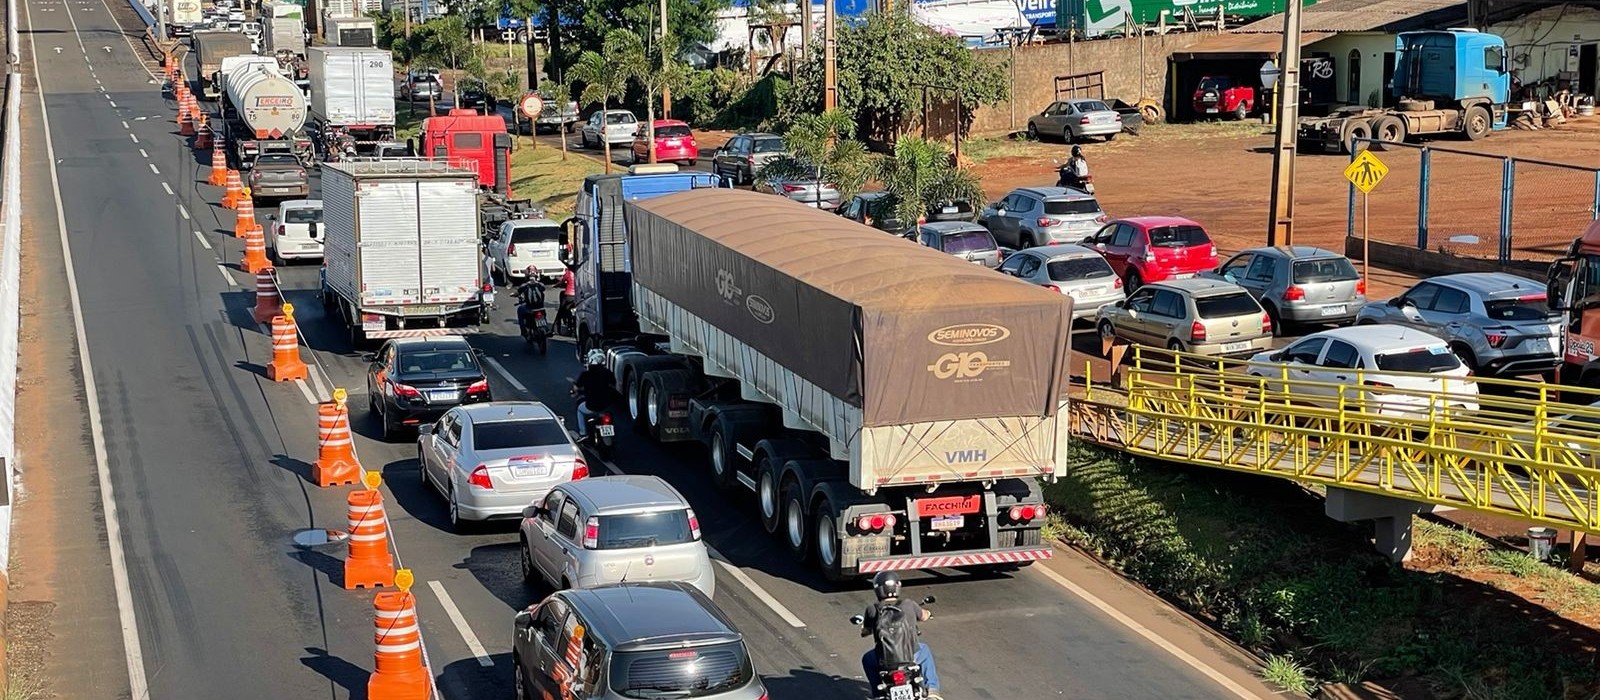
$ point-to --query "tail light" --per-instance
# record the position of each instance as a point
(1211, 250)
(302, 172)
(1052, 288)
(1294, 294)
(604, 419)
(1197, 332)
(511, 250)
(1026, 513)
(255, 174)
(1116, 283)
(480, 478)
(750, 160)
(580, 469)
(1266, 322)
(591, 533)
(1149, 255)
(875, 522)
(1084, 120)
(1497, 337)
(406, 391)
(278, 229)
(1048, 222)
(487, 287)
(694, 525)
(1378, 385)
(479, 387)
(538, 315)
(1361, 287)
(792, 188)
(897, 678)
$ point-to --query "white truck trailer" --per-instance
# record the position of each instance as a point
(352, 96)
(891, 407)
(400, 248)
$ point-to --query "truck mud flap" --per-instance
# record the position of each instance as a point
(1001, 557)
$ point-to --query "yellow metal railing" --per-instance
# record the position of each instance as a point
(1499, 446)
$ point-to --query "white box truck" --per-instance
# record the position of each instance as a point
(352, 95)
(359, 32)
(400, 247)
(182, 17)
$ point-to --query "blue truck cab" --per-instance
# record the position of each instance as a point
(1455, 68)
(599, 251)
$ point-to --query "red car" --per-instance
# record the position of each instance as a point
(674, 143)
(1155, 248)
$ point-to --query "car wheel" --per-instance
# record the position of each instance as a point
(1108, 333)
(1033, 131)
(1026, 241)
(1175, 346)
(1134, 281)
(1241, 112)
(530, 575)
(422, 471)
(1467, 357)
(635, 410)
(1066, 135)
(795, 528)
(458, 525)
(390, 431)
(1277, 320)
(692, 162)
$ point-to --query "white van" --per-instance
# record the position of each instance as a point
(524, 243)
(294, 232)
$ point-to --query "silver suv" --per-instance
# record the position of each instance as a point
(612, 529)
(1497, 322)
(631, 642)
(1032, 216)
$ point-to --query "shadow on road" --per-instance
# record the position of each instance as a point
(805, 682)
(498, 568)
(342, 673)
(468, 678)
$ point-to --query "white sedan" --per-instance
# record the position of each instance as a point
(1396, 371)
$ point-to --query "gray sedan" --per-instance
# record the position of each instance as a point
(810, 191)
(1073, 270)
(1075, 119)
(1298, 284)
(1497, 322)
(491, 460)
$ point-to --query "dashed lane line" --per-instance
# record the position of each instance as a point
(501, 370)
(203, 242)
(166, 187)
(227, 275)
(317, 381)
(473, 645)
(125, 126)
(112, 103)
(153, 168)
(181, 210)
(142, 153)
(131, 136)
(306, 391)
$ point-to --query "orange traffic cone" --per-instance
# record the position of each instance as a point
(336, 456)
(245, 221)
(219, 165)
(202, 133)
(230, 198)
(399, 673)
(286, 364)
(185, 122)
(255, 252)
(268, 302)
(369, 564)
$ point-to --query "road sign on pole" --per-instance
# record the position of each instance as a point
(531, 104)
(1269, 75)
(1365, 172)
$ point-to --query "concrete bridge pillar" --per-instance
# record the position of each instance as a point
(1391, 517)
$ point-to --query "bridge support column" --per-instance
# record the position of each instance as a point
(1391, 517)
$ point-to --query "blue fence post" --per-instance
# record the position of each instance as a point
(1350, 205)
(1422, 199)
(1594, 210)
(1508, 178)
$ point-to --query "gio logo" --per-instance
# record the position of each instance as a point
(725, 286)
(964, 365)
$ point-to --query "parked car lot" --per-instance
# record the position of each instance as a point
(1206, 317)
(1498, 323)
(1073, 270)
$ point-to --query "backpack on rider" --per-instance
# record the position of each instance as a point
(895, 636)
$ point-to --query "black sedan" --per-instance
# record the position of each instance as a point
(415, 380)
(475, 95)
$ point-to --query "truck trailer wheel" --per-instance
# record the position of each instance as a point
(1388, 129)
(1354, 135)
(722, 457)
(769, 500)
(796, 530)
(1477, 123)
(827, 541)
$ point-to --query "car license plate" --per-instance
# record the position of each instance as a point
(443, 395)
(529, 470)
(902, 692)
(945, 522)
(1539, 345)
(1183, 276)
(608, 431)
(1333, 310)
(1211, 110)
(373, 326)
(949, 210)
(1236, 346)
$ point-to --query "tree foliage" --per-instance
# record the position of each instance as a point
(647, 65)
(921, 174)
(585, 24)
(600, 83)
(823, 146)
(879, 63)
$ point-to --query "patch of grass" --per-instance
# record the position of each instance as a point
(408, 118)
(1283, 671)
(984, 149)
(1518, 564)
(22, 687)
(541, 175)
(1451, 545)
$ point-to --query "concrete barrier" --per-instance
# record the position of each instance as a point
(10, 280)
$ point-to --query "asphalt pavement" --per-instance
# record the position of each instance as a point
(209, 469)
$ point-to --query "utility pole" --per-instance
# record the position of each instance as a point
(666, 55)
(830, 81)
(805, 29)
(533, 57)
(161, 21)
(1280, 227)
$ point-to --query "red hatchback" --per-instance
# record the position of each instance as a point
(1155, 248)
(674, 143)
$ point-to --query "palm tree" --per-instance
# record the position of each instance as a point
(822, 146)
(651, 65)
(601, 83)
(920, 174)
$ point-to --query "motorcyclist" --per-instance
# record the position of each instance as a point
(1075, 171)
(595, 389)
(530, 298)
(886, 585)
(569, 293)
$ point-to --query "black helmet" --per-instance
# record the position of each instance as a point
(886, 584)
(1077, 151)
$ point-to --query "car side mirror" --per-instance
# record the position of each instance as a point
(533, 510)
(1275, 357)
(425, 429)
(369, 357)
(478, 352)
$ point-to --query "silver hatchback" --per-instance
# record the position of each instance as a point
(1298, 284)
(970, 242)
(490, 460)
(1207, 317)
(1073, 270)
(614, 529)
(1497, 322)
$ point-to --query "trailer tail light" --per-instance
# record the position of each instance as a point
(480, 478)
(591, 533)
(1266, 322)
(1197, 332)
(694, 525)
(1361, 286)
(875, 522)
(1294, 293)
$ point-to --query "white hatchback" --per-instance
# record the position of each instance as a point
(294, 232)
(1384, 369)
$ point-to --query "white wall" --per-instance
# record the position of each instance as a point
(1372, 47)
(1542, 44)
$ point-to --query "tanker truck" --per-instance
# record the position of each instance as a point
(879, 426)
(263, 112)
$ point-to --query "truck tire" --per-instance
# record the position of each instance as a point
(796, 527)
(1388, 129)
(769, 497)
(826, 540)
(723, 466)
(1351, 134)
(1477, 123)
(659, 385)
(1152, 112)
(632, 397)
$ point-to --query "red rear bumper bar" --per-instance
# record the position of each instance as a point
(1004, 556)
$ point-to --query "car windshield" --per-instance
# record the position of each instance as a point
(969, 242)
(511, 434)
(1324, 270)
(1091, 106)
(1226, 305)
(1071, 206)
(681, 673)
(436, 361)
(1528, 308)
(620, 118)
(768, 145)
(1437, 358)
(1215, 84)
(529, 234)
(302, 216)
(1178, 236)
(672, 131)
(1074, 269)
(661, 527)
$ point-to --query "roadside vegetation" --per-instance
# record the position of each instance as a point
(542, 175)
(1257, 559)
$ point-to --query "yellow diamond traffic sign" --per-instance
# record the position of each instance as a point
(1365, 172)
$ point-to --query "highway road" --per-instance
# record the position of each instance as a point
(208, 464)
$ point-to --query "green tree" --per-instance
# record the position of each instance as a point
(648, 66)
(585, 24)
(601, 83)
(921, 174)
(822, 146)
(880, 62)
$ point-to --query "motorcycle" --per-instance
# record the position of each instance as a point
(532, 318)
(600, 433)
(905, 681)
(566, 323)
(1066, 178)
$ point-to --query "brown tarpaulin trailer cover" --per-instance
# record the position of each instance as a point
(903, 332)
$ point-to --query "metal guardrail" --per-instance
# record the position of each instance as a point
(10, 272)
(1512, 448)
(144, 13)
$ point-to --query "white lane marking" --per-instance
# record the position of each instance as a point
(131, 136)
(125, 126)
(181, 210)
(112, 103)
(203, 242)
(142, 152)
(1150, 636)
(473, 645)
(227, 275)
(756, 589)
(306, 391)
(501, 370)
(132, 648)
(316, 379)
(152, 165)
(166, 187)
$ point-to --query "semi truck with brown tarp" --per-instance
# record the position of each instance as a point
(892, 407)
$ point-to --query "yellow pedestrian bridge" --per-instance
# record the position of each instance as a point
(1524, 449)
